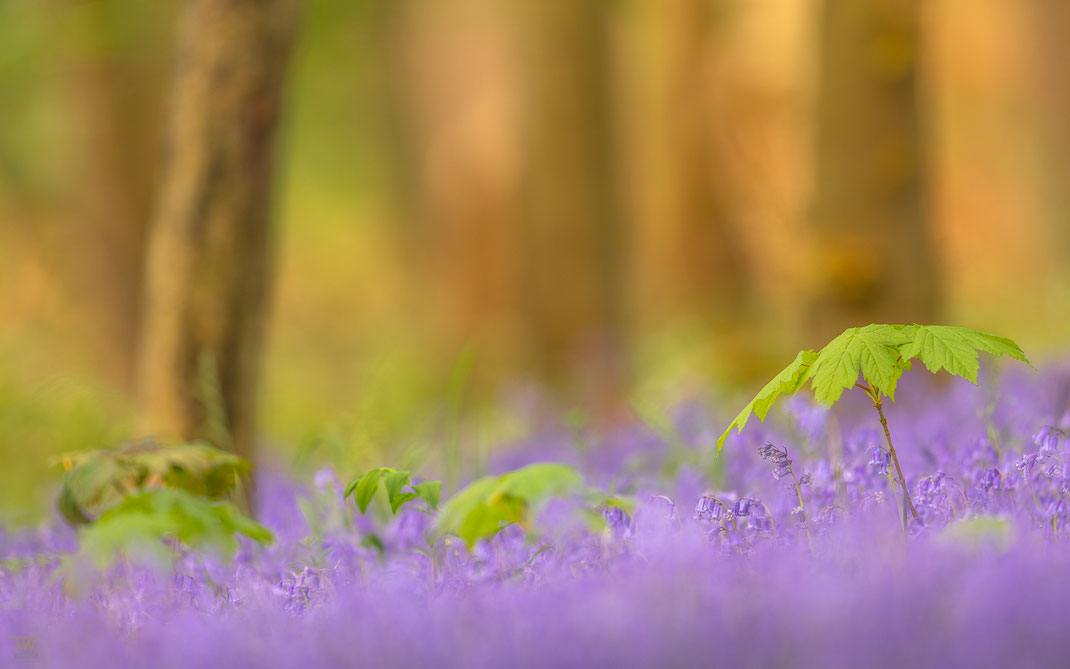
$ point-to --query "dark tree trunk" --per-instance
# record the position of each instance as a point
(210, 251)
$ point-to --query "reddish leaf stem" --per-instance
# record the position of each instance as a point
(878, 402)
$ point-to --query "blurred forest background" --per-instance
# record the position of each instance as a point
(474, 201)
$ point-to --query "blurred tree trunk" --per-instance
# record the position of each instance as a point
(452, 114)
(209, 256)
(108, 223)
(392, 46)
(112, 87)
(699, 264)
(1052, 31)
(876, 260)
(572, 233)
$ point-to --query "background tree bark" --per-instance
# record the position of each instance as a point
(571, 233)
(112, 68)
(209, 255)
(108, 220)
(1051, 22)
(453, 78)
(875, 259)
(700, 261)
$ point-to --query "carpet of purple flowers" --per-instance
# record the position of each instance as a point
(787, 551)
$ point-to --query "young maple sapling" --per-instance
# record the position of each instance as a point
(880, 353)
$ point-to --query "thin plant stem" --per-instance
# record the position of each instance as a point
(878, 403)
(901, 509)
(772, 521)
(802, 506)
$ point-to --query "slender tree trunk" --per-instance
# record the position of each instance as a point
(700, 260)
(1052, 29)
(209, 255)
(876, 261)
(452, 67)
(393, 45)
(107, 224)
(572, 231)
(114, 100)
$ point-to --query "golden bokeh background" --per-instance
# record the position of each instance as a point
(467, 188)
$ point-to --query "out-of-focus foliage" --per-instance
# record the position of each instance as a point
(98, 480)
(140, 525)
(141, 520)
(981, 532)
(394, 482)
(40, 418)
(492, 503)
(135, 499)
(397, 110)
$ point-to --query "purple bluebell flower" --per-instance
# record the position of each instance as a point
(666, 500)
(1048, 438)
(1026, 463)
(768, 451)
(990, 480)
(662, 594)
(709, 508)
(880, 460)
(759, 520)
(325, 477)
(827, 515)
(742, 507)
(617, 520)
(1055, 509)
(781, 463)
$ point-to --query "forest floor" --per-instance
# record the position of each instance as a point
(787, 549)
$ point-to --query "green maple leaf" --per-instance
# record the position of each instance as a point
(955, 349)
(879, 354)
(790, 379)
(872, 350)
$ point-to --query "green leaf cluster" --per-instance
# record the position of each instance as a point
(399, 488)
(880, 354)
(492, 503)
(141, 520)
(137, 526)
(97, 480)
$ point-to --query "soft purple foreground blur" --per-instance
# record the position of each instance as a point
(692, 580)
